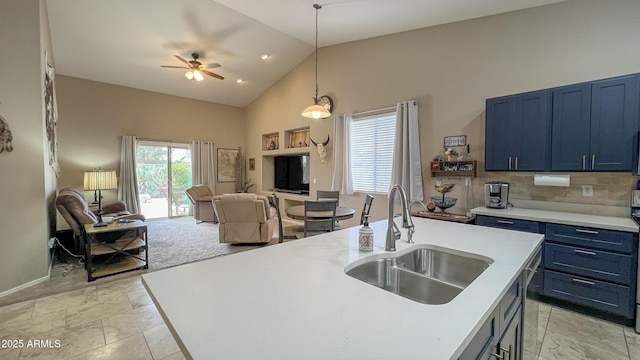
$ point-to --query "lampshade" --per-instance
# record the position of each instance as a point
(316, 112)
(100, 180)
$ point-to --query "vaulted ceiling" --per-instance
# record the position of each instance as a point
(124, 42)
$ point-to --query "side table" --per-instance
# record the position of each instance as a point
(116, 248)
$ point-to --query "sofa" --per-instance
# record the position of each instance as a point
(75, 210)
(200, 196)
(244, 218)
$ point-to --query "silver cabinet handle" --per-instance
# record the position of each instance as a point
(508, 351)
(584, 282)
(584, 252)
(505, 222)
(584, 162)
(583, 231)
(516, 163)
(593, 161)
(509, 162)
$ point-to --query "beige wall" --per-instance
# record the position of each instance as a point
(94, 116)
(28, 183)
(451, 70)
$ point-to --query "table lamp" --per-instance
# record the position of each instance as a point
(98, 180)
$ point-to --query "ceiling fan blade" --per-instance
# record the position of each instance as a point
(212, 74)
(174, 67)
(182, 59)
(213, 65)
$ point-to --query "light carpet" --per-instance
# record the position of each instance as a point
(180, 241)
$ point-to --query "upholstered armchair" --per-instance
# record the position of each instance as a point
(244, 218)
(74, 208)
(200, 196)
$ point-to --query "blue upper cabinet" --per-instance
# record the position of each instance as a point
(517, 132)
(499, 132)
(595, 125)
(614, 123)
(571, 127)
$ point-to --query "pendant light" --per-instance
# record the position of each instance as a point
(316, 111)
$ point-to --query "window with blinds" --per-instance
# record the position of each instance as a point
(372, 152)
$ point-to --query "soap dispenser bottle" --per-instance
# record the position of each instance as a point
(365, 236)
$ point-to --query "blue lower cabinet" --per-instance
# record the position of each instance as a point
(610, 240)
(601, 295)
(596, 264)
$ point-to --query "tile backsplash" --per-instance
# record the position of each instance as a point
(611, 192)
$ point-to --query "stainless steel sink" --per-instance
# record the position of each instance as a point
(422, 273)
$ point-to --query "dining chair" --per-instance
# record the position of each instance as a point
(327, 195)
(281, 234)
(314, 225)
(368, 200)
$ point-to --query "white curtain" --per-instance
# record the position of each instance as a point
(202, 164)
(128, 189)
(342, 155)
(406, 169)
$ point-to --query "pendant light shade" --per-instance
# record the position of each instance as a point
(316, 111)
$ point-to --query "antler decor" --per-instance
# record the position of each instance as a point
(321, 147)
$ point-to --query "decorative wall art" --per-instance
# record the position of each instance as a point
(227, 159)
(458, 140)
(252, 164)
(51, 115)
(6, 139)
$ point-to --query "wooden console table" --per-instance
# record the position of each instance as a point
(446, 217)
(116, 248)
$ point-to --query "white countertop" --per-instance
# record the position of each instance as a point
(294, 301)
(559, 217)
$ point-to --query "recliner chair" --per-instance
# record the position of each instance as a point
(74, 208)
(201, 196)
(244, 218)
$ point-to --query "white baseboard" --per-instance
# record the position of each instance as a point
(24, 286)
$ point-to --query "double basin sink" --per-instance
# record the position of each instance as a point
(423, 273)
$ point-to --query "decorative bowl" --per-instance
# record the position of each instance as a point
(443, 203)
(444, 188)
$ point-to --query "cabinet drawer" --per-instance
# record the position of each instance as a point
(595, 264)
(510, 224)
(600, 295)
(618, 241)
(510, 302)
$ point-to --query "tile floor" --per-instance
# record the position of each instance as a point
(118, 320)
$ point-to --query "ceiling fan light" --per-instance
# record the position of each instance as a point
(316, 111)
(189, 75)
(197, 75)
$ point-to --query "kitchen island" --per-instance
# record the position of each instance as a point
(294, 300)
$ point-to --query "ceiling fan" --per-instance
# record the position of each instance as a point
(196, 68)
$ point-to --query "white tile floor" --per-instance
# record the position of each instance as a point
(117, 320)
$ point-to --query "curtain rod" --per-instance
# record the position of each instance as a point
(364, 113)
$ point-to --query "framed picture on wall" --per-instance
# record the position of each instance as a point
(458, 140)
(252, 164)
(227, 159)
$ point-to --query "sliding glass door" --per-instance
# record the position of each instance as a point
(164, 172)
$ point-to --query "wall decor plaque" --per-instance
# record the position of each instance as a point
(457, 140)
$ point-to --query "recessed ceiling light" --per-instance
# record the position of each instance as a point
(239, 81)
(264, 56)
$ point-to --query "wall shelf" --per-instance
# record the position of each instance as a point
(297, 138)
(454, 168)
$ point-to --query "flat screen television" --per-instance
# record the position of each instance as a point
(292, 173)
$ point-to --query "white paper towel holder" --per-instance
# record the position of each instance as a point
(551, 180)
